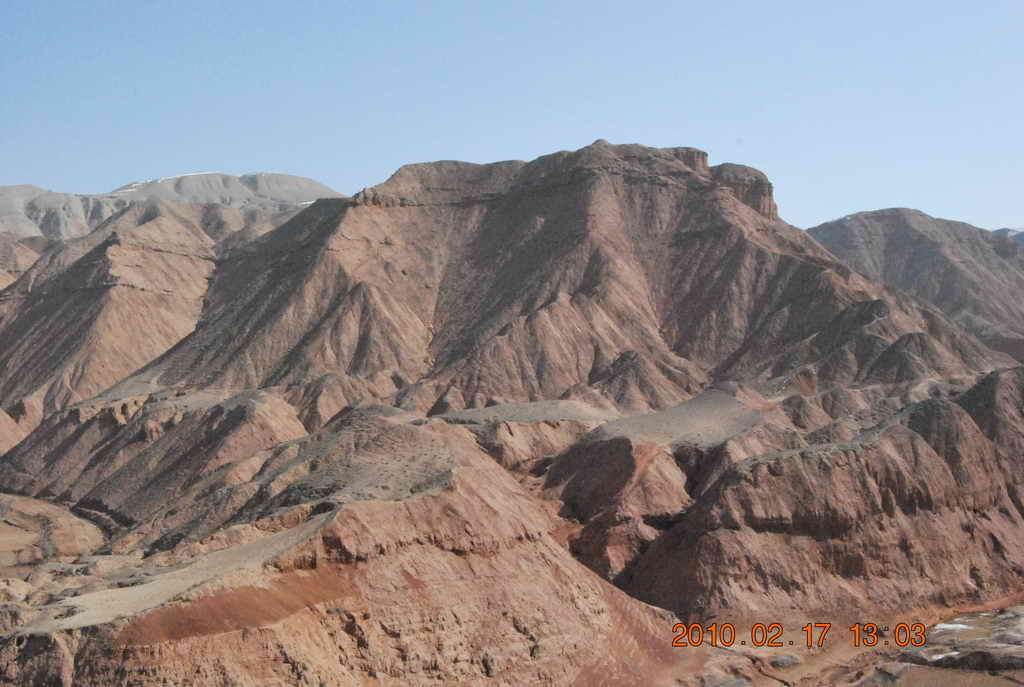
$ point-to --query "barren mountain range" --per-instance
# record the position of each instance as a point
(972, 275)
(499, 424)
(31, 211)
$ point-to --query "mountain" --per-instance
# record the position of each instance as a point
(31, 211)
(974, 276)
(250, 562)
(1015, 234)
(15, 257)
(620, 275)
(93, 309)
(488, 424)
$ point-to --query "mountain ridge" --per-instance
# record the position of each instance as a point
(566, 259)
(27, 210)
(971, 274)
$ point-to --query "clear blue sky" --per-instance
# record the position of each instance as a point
(846, 106)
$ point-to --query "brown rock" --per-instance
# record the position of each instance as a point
(391, 437)
(974, 276)
(616, 272)
(89, 312)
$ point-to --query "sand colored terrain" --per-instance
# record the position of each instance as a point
(90, 311)
(486, 424)
(32, 531)
(419, 588)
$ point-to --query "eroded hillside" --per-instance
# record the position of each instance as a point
(488, 424)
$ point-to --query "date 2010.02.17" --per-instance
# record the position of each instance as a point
(770, 635)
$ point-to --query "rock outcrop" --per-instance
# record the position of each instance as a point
(367, 554)
(724, 504)
(750, 185)
(844, 525)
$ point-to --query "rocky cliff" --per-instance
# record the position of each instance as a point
(369, 551)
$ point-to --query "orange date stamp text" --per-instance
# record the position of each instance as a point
(815, 635)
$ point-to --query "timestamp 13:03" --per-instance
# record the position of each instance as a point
(815, 635)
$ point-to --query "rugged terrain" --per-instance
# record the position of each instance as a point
(64, 322)
(974, 276)
(488, 424)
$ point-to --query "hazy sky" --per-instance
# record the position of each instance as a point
(846, 106)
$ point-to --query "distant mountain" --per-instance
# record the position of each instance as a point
(975, 276)
(1015, 234)
(30, 211)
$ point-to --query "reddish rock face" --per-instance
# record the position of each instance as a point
(484, 424)
(838, 526)
(749, 185)
(613, 274)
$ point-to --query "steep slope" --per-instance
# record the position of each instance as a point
(734, 508)
(974, 276)
(30, 211)
(622, 273)
(369, 551)
(1015, 234)
(15, 258)
(10, 432)
(15, 255)
(841, 526)
(92, 310)
(996, 403)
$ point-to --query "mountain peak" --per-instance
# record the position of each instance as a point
(972, 274)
